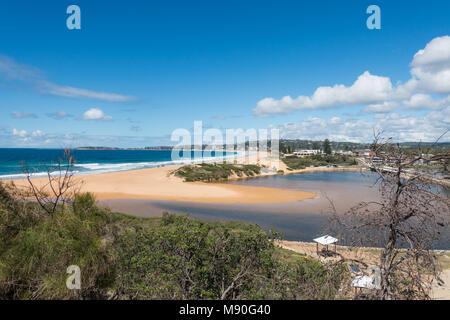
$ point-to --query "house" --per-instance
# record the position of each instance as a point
(306, 153)
(366, 153)
(344, 153)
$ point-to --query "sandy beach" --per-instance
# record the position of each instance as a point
(158, 184)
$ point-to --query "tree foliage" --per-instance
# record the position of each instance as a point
(327, 147)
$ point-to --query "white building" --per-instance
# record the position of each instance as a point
(345, 153)
(305, 153)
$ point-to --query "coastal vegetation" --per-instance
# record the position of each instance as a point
(123, 257)
(296, 163)
(209, 172)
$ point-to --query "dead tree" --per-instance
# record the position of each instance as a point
(59, 187)
(406, 222)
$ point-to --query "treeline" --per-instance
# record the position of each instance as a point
(123, 257)
(292, 145)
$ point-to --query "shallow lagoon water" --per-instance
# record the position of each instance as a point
(301, 221)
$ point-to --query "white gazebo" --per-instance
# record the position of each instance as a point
(325, 241)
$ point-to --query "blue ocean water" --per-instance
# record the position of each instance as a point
(13, 161)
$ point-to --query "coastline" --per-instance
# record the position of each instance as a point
(158, 184)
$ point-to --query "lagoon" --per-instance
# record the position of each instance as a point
(298, 221)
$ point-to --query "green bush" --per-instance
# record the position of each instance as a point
(297, 163)
(188, 259)
(215, 172)
(35, 256)
(123, 257)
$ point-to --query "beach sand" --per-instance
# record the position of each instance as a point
(442, 291)
(158, 184)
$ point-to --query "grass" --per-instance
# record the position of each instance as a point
(208, 172)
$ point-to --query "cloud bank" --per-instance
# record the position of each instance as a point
(430, 74)
(401, 127)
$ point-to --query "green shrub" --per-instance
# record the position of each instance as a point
(215, 172)
(34, 259)
(173, 257)
(297, 163)
(188, 259)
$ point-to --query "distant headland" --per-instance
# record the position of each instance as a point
(114, 148)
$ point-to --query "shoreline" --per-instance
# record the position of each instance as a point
(158, 184)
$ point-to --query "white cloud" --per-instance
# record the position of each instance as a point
(11, 70)
(95, 114)
(418, 101)
(431, 67)
(366, 89)
(73, 140)
(430, 70)
(71, 92)
(435, 54)
(37, 133)
(22, 138)
(24, 133)
(401, 127)
(20, 133)
(425, 101)
(386, 106)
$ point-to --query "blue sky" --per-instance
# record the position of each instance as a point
(137, 70)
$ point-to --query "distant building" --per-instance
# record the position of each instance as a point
(364, 153)
(306, 152)
(345, 153)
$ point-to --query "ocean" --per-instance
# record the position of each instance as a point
(13, 161)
